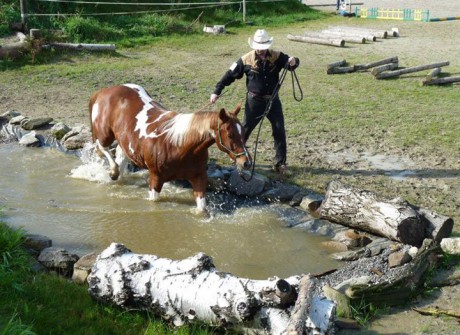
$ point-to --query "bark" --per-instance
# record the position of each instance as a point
(333, 35)
(433, 74)
(379, 69)
(365, 36)
(301, 309)
(336, 64)
(437, 226)
(192, 289)
(440, 81)
(331, 41)
(412, 69)
(376, 32)
(342, 69)
(390, 60)
(355, 208)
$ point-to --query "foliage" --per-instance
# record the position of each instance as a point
(363, 311)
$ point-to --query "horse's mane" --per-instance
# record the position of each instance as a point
(189, 128)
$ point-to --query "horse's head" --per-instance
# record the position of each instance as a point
(230, 138)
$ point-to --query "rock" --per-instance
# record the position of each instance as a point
(357, 281)
(335, 246)
(399, 258)
(77, 137)
(82, 268)
(342, 301)
(37, 242)
(451, 245)
(310, 198)
(30, 140)
(30, 124)
(281, 192)
(216, 178)
(352, 238)
(59, 130)
(255, 186)
(59, 260)
(16, 120)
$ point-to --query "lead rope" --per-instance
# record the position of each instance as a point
(267, 110)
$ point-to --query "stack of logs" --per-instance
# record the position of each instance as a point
(389, 68)
(337, 36)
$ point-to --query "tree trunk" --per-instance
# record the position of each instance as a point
(332, 41)
(379, 69)
(440, 81)
(82, 46)
(376, 32)
(396, 73)
(366, 37)
(192, 289)
(301, 309)
(333, 35)
(342, 69)
(360, 209)
(391, 60)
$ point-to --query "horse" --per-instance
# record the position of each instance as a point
(169, 144)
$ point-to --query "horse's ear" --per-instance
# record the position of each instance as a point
(223, 115)
(237, 109)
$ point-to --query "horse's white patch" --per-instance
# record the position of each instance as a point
(142, 117)
(131, 149)
(94, 112)
(178, 127)
(200, 204)
(240, 130)
(154, 195)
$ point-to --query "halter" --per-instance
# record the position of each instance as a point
(229, 150)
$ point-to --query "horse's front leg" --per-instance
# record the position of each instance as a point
(114, 171)
(199, 192)
(155, 186)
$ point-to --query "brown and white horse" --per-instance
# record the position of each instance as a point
(170, 145)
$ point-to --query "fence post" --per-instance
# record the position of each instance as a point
(244, 11)
(23, 12)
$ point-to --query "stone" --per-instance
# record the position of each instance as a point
(82, 268)
(30, 140)
(253, 187)
(10, 114)
(336, 246)
(59, 130)
(36, 123)
(76, 138)
(281, 192)
(59, 260)
(399, 258)
(342, 301)
(310, 198)
(356, 281)
(37, 242)
(451, 245)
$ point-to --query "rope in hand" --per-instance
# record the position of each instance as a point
(269, 105)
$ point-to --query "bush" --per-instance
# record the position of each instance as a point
(81, 29)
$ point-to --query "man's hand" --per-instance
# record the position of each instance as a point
(213, 98)
(291, 61)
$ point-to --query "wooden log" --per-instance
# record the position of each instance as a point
(352, 207)
(387, 67)
(433, 73)
(367, 37)
(302, 306)
(391, 60)
(336, 64)
(346, 38)
(376, 32)
(81, 46)
(440, 81)
(193, 290)
(315, 40)
(341, 69)
(438, 226)
(397, 73)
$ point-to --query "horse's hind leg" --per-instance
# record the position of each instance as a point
(114, 171)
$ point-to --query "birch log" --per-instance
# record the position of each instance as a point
(376, 32)
(412, 69)
(394, 219)
(366, 37)
(337, 42)
(391, 60)
(333, 35)
(386, 67)
(440, 81)
(81, 46)
(193, 290)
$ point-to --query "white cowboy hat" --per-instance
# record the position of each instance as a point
(261, 40)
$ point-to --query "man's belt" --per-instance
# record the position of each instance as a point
(258, 96)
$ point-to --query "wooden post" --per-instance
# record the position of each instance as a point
(397, 73)
(23, 5)
(315, 40)
(374, 64)
(244, 11)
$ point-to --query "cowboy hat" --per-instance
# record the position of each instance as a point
(261, 40)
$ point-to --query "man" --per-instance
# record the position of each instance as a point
(261, 66)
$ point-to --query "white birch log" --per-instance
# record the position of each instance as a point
(352, 207)
(365, 36)
(332, 35)
(81, 46)
(396, 73)
(192, 289)
(315, 40)
(379, 33)
(391, 60)
(440, 81)
(386, 67)
(299, 314)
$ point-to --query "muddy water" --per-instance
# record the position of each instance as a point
(71, 200)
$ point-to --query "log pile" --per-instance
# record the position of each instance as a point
(338, 36)
(193, 290)
(389, 68)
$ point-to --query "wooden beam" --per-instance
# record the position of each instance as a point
(397, 73)
(315, 40)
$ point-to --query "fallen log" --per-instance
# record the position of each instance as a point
(80, 46)
(433, 73)
(440, 81)
(314, 40)
(412, 69)
(387, 67)
(391, 60)
(335, 64)
(193, 290)
(368, 31)
(366, 37)
(302, 306)
(341, 69)
(327, 35)
(352, 207)
(437, 226)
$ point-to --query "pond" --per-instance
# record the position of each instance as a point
(72, 200)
